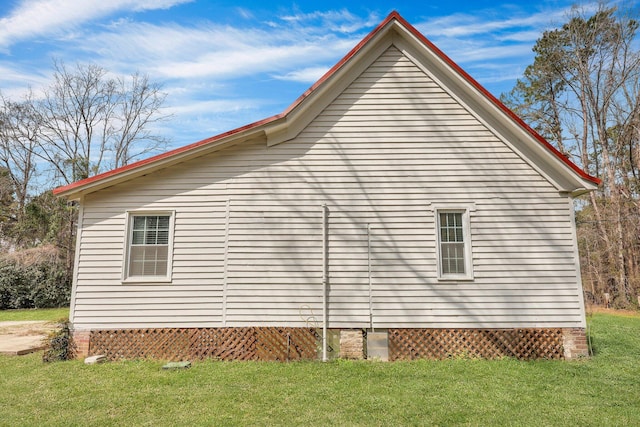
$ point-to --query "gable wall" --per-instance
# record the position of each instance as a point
(248, 232)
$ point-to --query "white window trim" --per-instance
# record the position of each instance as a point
(128, 238)
(466, 230)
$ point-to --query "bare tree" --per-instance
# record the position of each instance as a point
(19, 128)
(90, 122)
(137, 107)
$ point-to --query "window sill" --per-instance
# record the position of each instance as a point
(456, 279)
(146, 280)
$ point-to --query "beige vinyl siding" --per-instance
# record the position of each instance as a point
(102, 301)
(393, 145)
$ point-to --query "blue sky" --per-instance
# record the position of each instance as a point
(225, 64)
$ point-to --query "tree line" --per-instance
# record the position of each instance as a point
(582, 93)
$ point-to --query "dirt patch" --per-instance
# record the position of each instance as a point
(29, 327)
(23, 337)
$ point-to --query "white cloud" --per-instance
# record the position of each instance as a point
(465, 25)
(472, 52)
(341, 21)
(245, 13)
(14, 81)
(305, 75)
(192, 121)
(32, 18)
(528, 36)
(502, 35)
(234, 63)
(510, 75)
(178, 52)
(212, 106)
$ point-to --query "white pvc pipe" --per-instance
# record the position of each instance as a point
(370, 279)
(325, 278)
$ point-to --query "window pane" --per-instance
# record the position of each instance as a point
(136, 261)
(163, 222)
(451, 227)
(162, 237)
(148, 261)
(453, 258)
(150, 230)
(150, 237)
(138, 237)
(138, 222)
(152, 221)
(452, 245)
(149, 251)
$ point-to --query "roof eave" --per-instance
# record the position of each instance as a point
(76, 190)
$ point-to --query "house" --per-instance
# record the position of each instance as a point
(395, 210)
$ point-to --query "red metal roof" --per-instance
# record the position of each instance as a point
(392, 16)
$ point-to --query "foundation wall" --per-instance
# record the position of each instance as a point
(575, 343)
(352, 344)
(81, 342)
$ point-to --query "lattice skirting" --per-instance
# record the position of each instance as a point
(407, 344)
(283, 344)
(173, 344)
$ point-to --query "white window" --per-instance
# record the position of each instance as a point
(454, 244)
(149, 246)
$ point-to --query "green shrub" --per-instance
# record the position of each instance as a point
(44, 284)
(14, 287)
(51, 286)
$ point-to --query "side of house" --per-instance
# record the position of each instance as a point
(394, 204)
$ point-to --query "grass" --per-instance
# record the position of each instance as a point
(49, 314)
(603, 390)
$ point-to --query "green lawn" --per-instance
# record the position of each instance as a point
(51, 314)
(602, 391)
